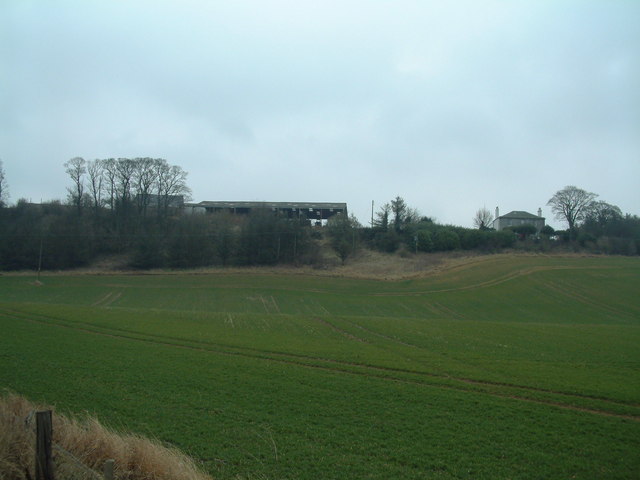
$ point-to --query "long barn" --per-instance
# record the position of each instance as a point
(314, 211)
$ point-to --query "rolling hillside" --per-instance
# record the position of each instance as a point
(501, 367)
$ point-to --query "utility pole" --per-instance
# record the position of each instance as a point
(371, 213)
(40, 260)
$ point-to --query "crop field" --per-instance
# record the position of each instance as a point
(508, 367)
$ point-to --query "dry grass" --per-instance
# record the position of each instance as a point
(367, 264)
(136, 458)
(370, 264)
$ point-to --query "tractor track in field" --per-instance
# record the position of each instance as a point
(573, 294)
(523, 272)
(106, 300)
(102, 299)
(343, 367)
(336, 329)
(488, 283)
(380, 335)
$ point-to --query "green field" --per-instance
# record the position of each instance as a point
(509, 367)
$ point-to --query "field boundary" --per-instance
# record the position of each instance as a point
(420, 266)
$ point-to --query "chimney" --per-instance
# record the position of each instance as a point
(497, 212)
(539, 212)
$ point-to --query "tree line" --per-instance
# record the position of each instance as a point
(132, 208)
(595, 224)
(397, 226)
(123, 185)
(54, 236)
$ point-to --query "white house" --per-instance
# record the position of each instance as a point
(517, 218)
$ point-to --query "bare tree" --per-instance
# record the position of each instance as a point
(600, 215)
(76, 169)
(482, 219)
(145, 177)
(382, 217)
(95, 172)
(572, 204)
(602, 212)
(4, 188)
(412, 215)
(177, 183)
(125, 168)
(171, 181)
(162, 169)
(111, 175)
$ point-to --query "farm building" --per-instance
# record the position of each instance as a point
(153, 200)
(517, 218)
(317, 212)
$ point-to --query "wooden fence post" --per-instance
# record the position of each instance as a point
(44, 459)
(108, 469)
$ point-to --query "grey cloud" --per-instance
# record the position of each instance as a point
(448, 104)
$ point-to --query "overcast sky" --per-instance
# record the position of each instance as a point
(452, 105)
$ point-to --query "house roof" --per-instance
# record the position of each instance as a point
(328, 207)
(283, 205)
(521, 215)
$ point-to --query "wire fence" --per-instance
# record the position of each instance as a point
(67, 466)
